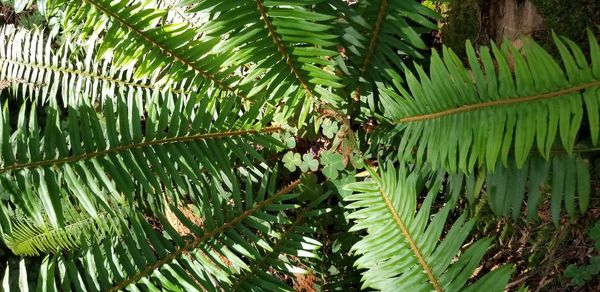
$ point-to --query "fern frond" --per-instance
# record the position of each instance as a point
(114, 153)
(379, 35)
(335, 270)
(402, 250)
(292, 242)
(278, 51)
(28, 56)
(499, 112)
(229, 241)
(561, 181)
(134, 35)
(287, 45)
(566, 178)
(26, 238)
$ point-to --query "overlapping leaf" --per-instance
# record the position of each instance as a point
(133, 33)
(405, 249)
(567, 179)
(496, 110)
(379, 36)
(29, 58)
(251, 49)
(286, 46)
(103, 158)
(232, 240)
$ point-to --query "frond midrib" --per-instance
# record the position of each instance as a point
(501, 102)
(168, 51)
(372, 43)
(375, 36)
(194, 243)
(142, 144)
(411, 242)
(281, 48)
(87, 75)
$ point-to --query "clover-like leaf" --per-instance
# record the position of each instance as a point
(576, 275)
(357, 161)
(291, 160)
(330, 128)
(289, 140)
(342, 181)
(580, 275)
(309, 162)
(280, 118)
(332, 162)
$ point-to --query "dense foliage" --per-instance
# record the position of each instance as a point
(277, 145)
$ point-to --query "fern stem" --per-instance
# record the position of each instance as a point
(194, 243)
(85, 74)
(472, 107)
(90, 155)
(372, 43)
(281, 47)
(259, 264)
(411, 242)
(170, 52)
(577, 150)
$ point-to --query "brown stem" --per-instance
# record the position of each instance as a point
(194, 243)
(281, 47)
(472, 107)
(411, 242)
(86, 156)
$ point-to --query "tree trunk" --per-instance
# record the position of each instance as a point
(509, 19)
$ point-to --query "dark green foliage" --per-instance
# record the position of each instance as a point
(566, 178)
(469, 19)
(462, 23)
(566, 18)
(253, 145)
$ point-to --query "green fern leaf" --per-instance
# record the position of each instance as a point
(174, 50)
(496, 113)
(293, 42)
(566, 178)
(378, 35)
(114, 154)
(402, 250)
(229, 246)
(45, 74)
(26, 238)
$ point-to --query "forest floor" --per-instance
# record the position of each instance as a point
(541, 251)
